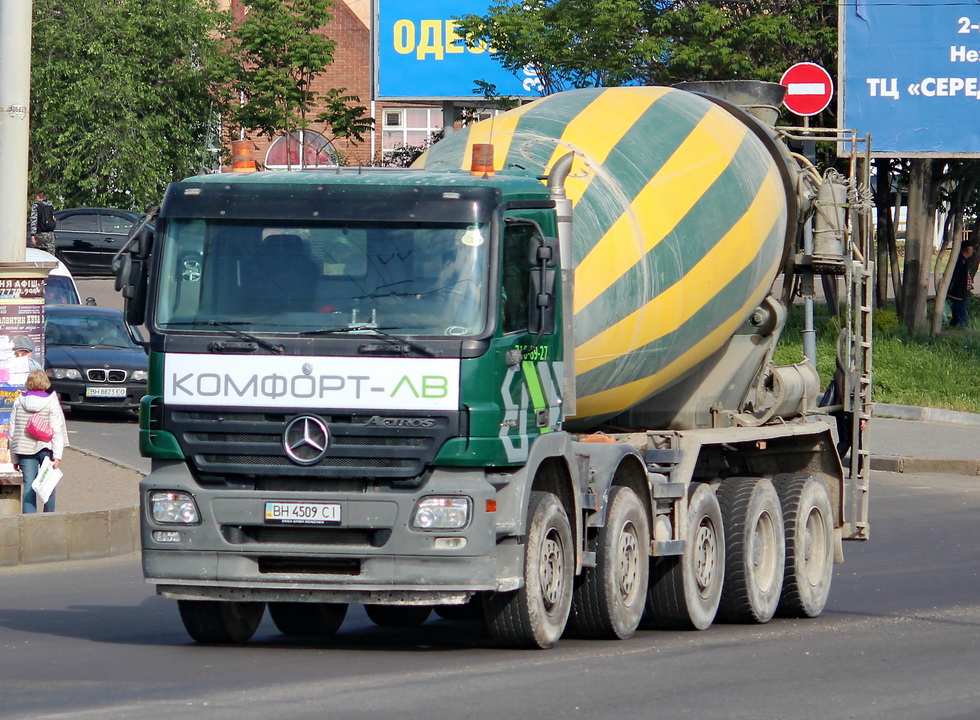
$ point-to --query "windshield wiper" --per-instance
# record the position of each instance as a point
(230, 328)
(367, 327)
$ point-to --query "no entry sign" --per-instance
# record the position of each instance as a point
(808, 88)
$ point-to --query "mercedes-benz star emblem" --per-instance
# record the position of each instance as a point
(306, 440)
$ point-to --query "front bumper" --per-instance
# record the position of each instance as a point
(372, 555)
(76, 394)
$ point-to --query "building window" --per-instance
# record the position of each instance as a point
(409, 127)
(303, 149)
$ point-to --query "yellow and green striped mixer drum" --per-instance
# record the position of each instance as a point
(680, 222)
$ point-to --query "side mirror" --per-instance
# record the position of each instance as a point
(542, 308)
(131, 282)
(544, 251)
(542, 311)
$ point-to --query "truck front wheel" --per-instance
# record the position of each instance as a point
(609, 598)
(685, 590)
(294, 618)
(755, 550)
(808, 520)
(535, 615)
(214, 621)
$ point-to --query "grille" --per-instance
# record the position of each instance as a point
(367, 463)
(320, 566)
(100, 375)
(232, 444)
(257, 534)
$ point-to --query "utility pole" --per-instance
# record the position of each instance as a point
(15, 118)
(21, 283)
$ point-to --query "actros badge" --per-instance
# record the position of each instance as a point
(306, 440)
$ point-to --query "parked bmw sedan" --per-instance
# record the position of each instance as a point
(94, 359)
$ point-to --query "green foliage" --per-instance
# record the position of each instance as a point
(570, 43)
(929, 371)
(345, 119)
(584, 43)
(886, 321)
(121, 98)
(275, 54)
(743, 41)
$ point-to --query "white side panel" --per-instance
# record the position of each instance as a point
(312, 382)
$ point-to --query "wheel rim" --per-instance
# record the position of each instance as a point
(551, 574)
(629, 562)
(705, 557)
(764, 552)
(814, 542)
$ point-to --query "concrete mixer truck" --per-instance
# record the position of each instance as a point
(528, 382)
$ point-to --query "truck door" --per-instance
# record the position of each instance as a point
(532, 384)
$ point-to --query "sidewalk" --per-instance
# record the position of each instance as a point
(98, 514)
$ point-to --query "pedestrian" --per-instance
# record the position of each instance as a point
(24, 347)
(961, 287)
(27, 452)
(42, 222)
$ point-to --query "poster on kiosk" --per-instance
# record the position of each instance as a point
(21, 309)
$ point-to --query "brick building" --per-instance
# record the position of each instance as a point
(396, 124)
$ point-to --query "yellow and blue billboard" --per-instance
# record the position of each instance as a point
(420, 53)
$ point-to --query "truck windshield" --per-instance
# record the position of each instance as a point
(419, 279)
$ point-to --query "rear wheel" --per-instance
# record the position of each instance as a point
(398, 615)
(213, 621)
(609, 598)
(755, 550)
(685, 591)
(307, 618)
(808, 524)
(536, 614)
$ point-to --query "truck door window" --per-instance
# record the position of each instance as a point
(515, 275)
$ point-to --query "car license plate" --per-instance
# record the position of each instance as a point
(302, 513)
(112, 392)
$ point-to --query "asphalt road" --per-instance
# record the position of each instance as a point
(900, 639)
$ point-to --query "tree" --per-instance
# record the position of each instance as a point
(275, 54)
(569, 43)
(584, 43)
(741, 40)
(121, 97)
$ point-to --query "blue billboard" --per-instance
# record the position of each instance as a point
(911, 76)
(420, 54)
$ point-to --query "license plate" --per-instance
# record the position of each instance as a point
(302, 513)
(105, 392)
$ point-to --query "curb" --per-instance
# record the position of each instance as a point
(54, 537)
(901, 464)
(925, 414)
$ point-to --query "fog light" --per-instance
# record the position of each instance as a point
(173, 508)
(441, 513)
(450, 543)
(166, 536)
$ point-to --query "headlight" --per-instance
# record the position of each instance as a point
(139, 375)
(65, 374)
(172, 507)
(441, 513)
